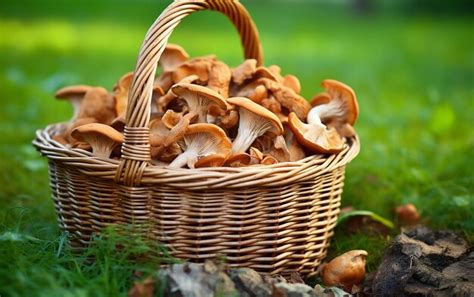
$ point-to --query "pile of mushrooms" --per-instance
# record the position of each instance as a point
(206, 114)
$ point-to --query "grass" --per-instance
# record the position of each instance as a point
(413, 76)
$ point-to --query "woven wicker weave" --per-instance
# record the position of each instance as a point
(275, 219)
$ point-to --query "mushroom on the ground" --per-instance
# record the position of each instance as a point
(102, 138)
(199, 99)
(254, 121)
(408, 214)
(203, 140)
(316, 136)
(75, 95)
(346, 270)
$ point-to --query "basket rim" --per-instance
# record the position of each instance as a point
(285, 173)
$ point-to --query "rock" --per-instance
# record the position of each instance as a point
(249, 283)
(422, 262)
(208, 279)
(294, 290)
(196, 280)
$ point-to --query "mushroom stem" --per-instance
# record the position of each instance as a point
(335, 108)
(183, 159)
(249, 129)
(101, 147)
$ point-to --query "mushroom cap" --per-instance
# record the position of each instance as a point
(337, 88)
(172, 57)
(97, 129)
(261, 111)
(322, 98)
(72, 91)
(239, 160)
(408, 214)
(179, 129)
(182, 89)
(119, 123)
(345, 270)
(121, 90)
(212, 129)
(244, 71)
(98, 103)
(256, 153)
(292, 82)
(269, 160)
(215, 160)
(332, 142)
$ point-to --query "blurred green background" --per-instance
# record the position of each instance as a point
(411, 64)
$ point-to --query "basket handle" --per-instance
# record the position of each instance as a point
(136, 147)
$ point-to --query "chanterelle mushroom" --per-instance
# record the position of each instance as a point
(98, 104)
(203, 140)
(75, 94)
(121, 90)
(341, 109)
(254, 121)
(316, 136)
(102, 138)
(172, 57)
(346, 270)
(199, 99)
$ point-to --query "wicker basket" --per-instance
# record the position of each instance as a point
(275, 219)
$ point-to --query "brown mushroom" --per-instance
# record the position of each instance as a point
(199, 99)
(119, 123)
(244, 71)
(269, 160)
(171, 59)
(273, 145)
(342, 108)
(98, 104)
(202, 140)
(219, 78)
(346, 270)
(75, 95)
(210, 161)
(164, 101)
(292, 82)
(256, 154)
(120, 91)
(316, 137)
(254, 121)
(408, 214)
(77, 123)
(102, 138)
(240, 160)
(179, 130)
(322, 98)
(165, 154)
(171, 118)
(293, 146)
(159, 133)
